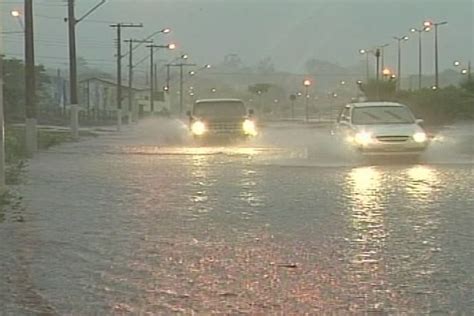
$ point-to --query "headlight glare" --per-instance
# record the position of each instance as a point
(249, 128)
(363, 138)
(198, 128)
(419, 137)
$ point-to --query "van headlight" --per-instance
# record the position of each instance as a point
(198, 128)
(363, 138)
(420, 137)
(249, 128)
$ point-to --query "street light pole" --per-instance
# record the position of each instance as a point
(399, 74)
(382, 54)
(429, 24)
(366, 53)
(377, 56)
(130, 81)
(306, 84)
(152, 76)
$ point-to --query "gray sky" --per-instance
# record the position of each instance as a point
(288, 31)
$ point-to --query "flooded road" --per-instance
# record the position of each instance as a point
(144, 222)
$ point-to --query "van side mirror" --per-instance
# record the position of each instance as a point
(251, 112)
(419, 121)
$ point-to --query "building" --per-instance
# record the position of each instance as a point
(98, 94)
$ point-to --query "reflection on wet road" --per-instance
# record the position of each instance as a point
(125, 224)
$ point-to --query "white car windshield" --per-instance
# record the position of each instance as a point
(220, 109)
(382, 115)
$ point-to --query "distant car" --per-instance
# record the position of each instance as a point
(378, 128)
(221, 118)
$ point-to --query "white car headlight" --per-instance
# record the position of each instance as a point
(198, 128)
(363, 138)
(249, 128)
(419, 137)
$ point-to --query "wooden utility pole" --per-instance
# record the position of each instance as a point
(30, 83)
(2, 132)
(119, 26)
(72, 22)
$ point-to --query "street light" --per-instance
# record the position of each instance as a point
(17, 14)
(464, 71)
(429, 24)
(400, 40)
(386, 72)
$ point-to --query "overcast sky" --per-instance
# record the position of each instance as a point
(288, 31)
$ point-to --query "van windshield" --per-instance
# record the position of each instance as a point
(220, 109)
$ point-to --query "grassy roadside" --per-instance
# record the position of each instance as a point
(15, 154)
(16, 161)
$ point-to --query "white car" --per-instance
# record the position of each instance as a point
(378, 128)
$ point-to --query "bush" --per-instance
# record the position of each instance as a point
(443, 106)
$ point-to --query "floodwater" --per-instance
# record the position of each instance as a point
(144, 222)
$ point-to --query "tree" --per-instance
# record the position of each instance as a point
(468, 85)
(259, 88)
(14, 88)
(232, 62)
(379, 90)
(86, 72)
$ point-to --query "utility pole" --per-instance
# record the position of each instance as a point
(2, 132)
(152, 82)
(130, 76)
(72, 22)
(73, 71)
(30, 82)
(181, 82)
(119, 26)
